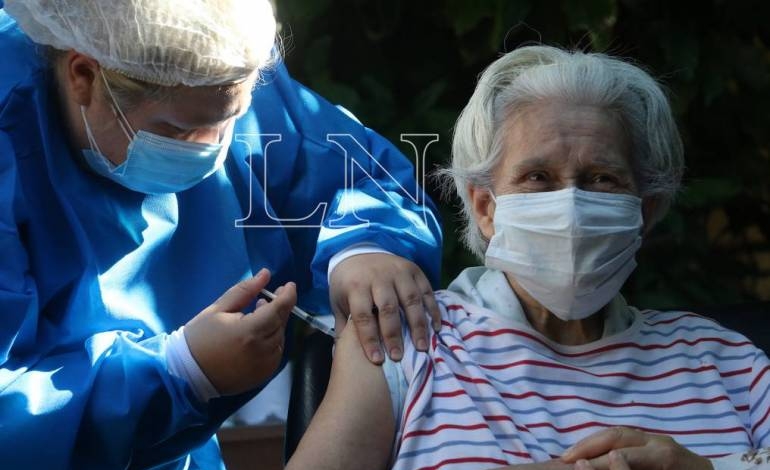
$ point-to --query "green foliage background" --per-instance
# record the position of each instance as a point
(409, 66)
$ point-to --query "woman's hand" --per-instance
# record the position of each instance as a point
(237, 352)
(368, 289)
(547, 465)
(615, 461)
(639, 451)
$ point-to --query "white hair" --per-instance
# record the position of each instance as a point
(535, 73)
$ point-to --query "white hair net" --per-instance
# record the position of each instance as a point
(165, 42)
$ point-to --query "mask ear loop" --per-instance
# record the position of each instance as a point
(122, 119)
(89, 132)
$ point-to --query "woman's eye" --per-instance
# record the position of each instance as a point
(537, 176)
(602, 179)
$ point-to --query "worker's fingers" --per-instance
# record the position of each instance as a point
(268, 318)
(360, 305)
(604, 441)
(429, 305)
(386, 300)
(241, 295)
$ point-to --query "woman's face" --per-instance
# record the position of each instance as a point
(555, 145)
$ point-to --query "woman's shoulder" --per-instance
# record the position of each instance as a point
(689, 329)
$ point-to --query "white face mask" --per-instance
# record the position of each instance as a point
(571, 250)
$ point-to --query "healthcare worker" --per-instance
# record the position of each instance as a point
(154, 154)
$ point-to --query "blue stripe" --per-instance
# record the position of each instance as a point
(475, 320)
(767, 389)
(583, 368)
(443, 445)
(433, 411)
(603, 387)
(715, 357)
(741, 445)
(684, 328)
(761, 441)
(514, 412)
(719, 445)
(656, 315)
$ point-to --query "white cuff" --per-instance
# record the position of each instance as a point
(352, 250)
(181, 364)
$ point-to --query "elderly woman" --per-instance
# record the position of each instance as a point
(136, 188)
(562, 160)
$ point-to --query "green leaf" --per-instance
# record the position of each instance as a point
(590, 14)
(428, 97)
(709, 192)
(464, 16)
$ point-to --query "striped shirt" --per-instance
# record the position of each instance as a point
(492, 391)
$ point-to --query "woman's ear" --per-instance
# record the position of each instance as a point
(79, 74)
(650, 206)
(483, 208)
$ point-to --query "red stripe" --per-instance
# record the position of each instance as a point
(739, 408)
(454, 307)
(523, 455)
(428, 432)
(465, 460)
(762, 420)
(615, 374)
(591, 424)
(644, 347)
(449, 394)
(417, 396)
(735, 372)
(759, 377)
(506, 418)
(472, 380)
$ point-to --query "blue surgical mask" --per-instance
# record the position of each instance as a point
(156, 164)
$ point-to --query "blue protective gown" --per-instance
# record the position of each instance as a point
(93, 276)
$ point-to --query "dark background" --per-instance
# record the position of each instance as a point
(409, 66)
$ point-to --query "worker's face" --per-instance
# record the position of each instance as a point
(193, 114)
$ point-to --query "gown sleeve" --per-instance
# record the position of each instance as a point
(327, 164)
(381, 204)
(105, 402)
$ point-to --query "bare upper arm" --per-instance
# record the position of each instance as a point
(354, 427)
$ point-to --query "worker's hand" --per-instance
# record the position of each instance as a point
(369, 288)
(237, 352)
(639, 451)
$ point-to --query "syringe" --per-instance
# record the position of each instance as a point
(311, 320)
